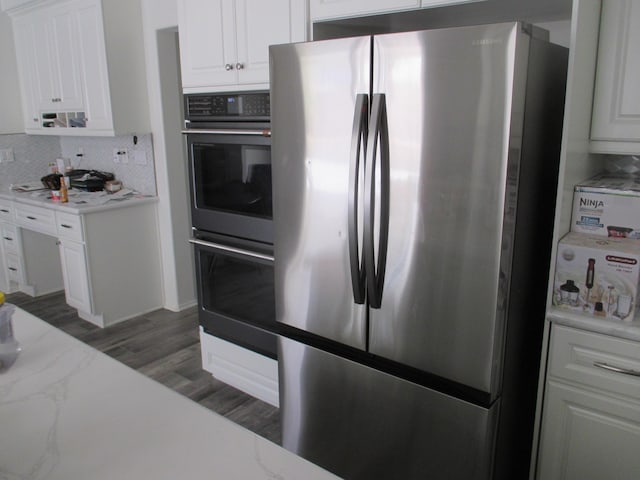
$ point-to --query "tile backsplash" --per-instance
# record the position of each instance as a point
(33, 154)
(98, 155)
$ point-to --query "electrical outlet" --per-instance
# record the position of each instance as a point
(120, 155)
(6, 155)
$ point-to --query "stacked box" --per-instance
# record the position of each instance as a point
(597, 276)
(607, 205)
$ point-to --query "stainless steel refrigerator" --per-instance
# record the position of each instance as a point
(414, 186)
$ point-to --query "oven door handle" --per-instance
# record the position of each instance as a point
(224, 131)
(228, 249)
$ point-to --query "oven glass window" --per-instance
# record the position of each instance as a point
(233, 178)
(238, 288)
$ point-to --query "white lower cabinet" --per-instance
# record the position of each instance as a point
(243, 369)
(591, 413)
(75, 275)
(107, 260)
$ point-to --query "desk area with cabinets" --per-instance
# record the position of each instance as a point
(105, 257)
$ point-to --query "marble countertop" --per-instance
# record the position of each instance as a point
(606, 326)
(70, 412)
(79, 202)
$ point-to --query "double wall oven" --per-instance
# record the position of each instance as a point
(228, 141)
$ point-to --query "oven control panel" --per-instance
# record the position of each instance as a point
(248, 106)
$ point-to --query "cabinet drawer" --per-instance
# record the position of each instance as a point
(6, 211)
(35, 218)
(14, 268)
(69, 226)
(10, 238)
(592, 359)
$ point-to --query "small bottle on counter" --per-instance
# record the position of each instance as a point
(9, 347)
(64, 194)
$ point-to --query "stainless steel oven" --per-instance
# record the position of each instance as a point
(229, 152)
(235, 291)
(229, 145)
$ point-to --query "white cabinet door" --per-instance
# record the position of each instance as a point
(45, 43)
(94, 75)
(615, 124)
(326, 9)
(26, 34)
(588, 436)
(75, 275)
(258, 25)
(207, 42)
(63, 63)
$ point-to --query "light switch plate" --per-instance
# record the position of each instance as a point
(140, 157)
(6, 155)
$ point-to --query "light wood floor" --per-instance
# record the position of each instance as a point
(164, 346)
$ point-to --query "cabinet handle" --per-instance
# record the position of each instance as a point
(3, 210)
(31, 218)
(64, 225)
(611, 368)
(13, 269)
(8, 238)
(228, 67)
(239, 66)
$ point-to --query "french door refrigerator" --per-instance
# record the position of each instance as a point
(414, 181)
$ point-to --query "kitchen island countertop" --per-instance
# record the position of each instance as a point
(70, 412)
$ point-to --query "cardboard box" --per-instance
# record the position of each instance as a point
(607, 205)
(597, 276)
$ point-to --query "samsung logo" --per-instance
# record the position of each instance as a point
(486, 41)
(587, 202)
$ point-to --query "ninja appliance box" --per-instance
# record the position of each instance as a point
(597, 276)
(608, 205)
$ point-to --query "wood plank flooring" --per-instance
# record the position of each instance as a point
(164, 346)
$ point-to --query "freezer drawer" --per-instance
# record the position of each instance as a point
(361, 423)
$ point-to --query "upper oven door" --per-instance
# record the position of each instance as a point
(230, 177)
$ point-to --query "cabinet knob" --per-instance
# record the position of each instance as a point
(239, 66)
(228, 67)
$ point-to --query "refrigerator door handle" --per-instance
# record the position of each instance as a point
(374, 176)
(358, 151)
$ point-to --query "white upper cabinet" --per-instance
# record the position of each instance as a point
(330, 9)
(225, 43)
(615, 124)
(81, 67)
(327, 9)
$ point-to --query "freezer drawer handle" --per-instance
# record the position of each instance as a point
(358, 150)
(228, 249)
(378, 135)
(611, 368)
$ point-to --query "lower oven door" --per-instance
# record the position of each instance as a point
(236, 294)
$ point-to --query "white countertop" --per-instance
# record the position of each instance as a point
(79, 202)
(607, 326)
(70, 412)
